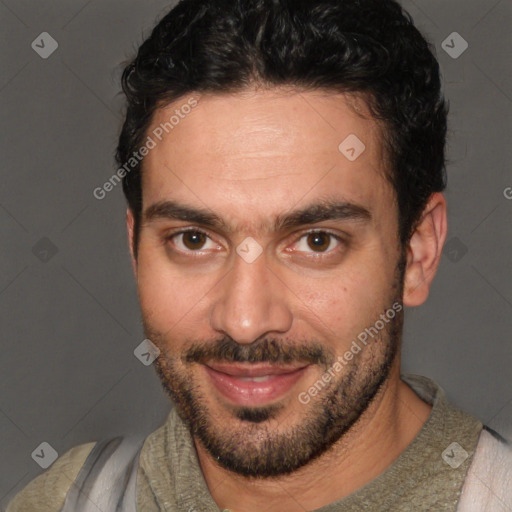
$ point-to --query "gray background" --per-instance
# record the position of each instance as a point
(69, 320)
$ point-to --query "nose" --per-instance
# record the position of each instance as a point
(250, 302)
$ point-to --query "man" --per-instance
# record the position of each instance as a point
(283, 164)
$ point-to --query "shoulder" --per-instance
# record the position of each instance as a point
(47, 492)
(488, 483)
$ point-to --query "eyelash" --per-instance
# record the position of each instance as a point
(200, 252)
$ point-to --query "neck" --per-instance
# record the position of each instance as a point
(381, 434)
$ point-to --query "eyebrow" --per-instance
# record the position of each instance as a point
(327, 209)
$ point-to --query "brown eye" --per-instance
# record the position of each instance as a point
(319, 241)
(194, 240)
(191, 242)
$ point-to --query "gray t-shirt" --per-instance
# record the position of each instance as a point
(419, 479)
(428, 475)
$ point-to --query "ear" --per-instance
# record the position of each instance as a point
(130, 224)
(424, 251)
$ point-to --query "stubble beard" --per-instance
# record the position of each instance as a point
(251, 445)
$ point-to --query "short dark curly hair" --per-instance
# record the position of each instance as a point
(369, 47)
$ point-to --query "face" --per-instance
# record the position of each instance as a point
(268, 253)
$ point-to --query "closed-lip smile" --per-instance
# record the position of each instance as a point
(253, 383)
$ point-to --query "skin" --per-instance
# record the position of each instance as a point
(249, 157)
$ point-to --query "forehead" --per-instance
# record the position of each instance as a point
(261, 152)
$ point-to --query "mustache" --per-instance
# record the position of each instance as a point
(267, 350)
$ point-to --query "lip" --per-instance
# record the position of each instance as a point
(231, 380)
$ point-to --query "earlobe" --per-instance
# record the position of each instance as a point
(130, 223)
(424, 251)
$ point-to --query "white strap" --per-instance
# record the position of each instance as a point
(488, 484)
(108, 479)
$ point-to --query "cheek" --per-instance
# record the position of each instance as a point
(169, 299)
(162, 297)
(351, 299)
